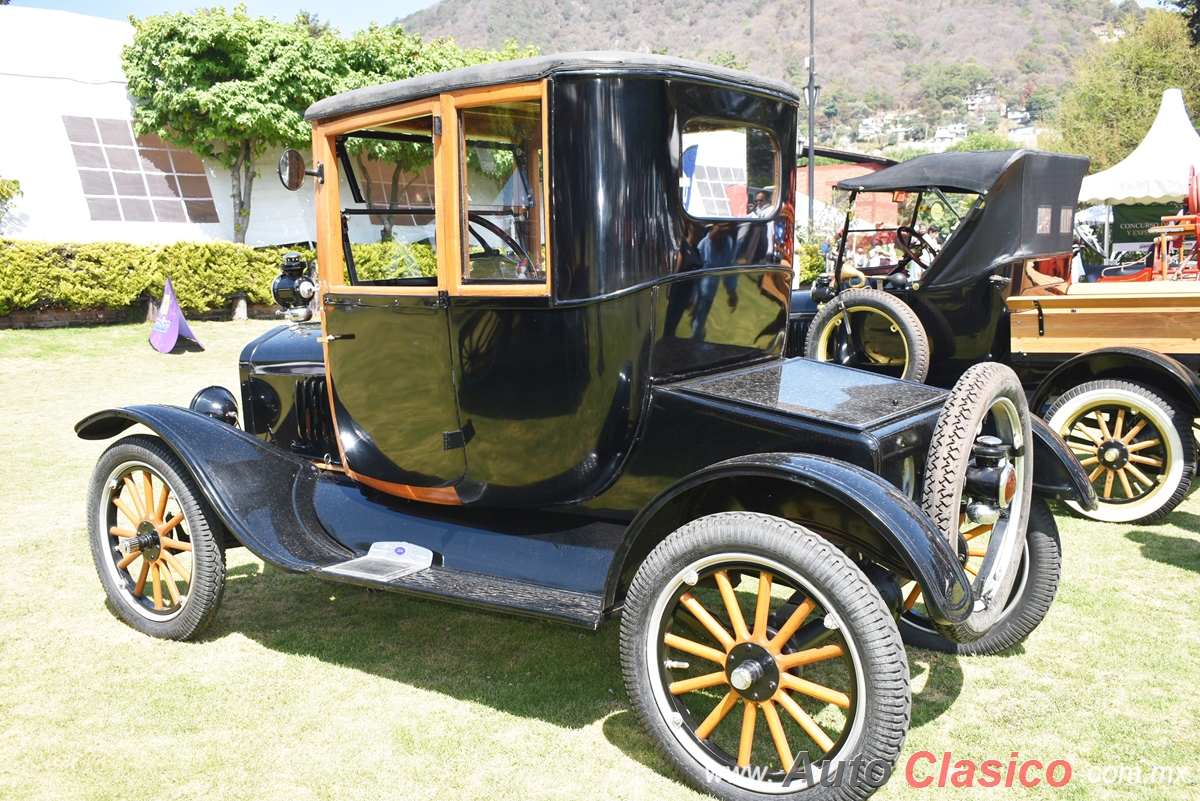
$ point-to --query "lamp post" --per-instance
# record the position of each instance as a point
(811, 93)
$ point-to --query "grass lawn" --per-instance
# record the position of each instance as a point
(307, 690)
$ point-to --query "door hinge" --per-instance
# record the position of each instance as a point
(452, 440)
(443, 300)
(1041, 319)
(437, 126)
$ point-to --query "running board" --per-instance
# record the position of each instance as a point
(487, 592)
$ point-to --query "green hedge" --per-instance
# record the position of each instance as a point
(112, 275)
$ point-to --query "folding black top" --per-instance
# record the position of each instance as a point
(1027, 210)
(974, 171)
(533, 69)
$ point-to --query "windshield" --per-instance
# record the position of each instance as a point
(898, 229)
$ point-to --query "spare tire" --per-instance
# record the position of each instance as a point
(987, 400)
(872, 330)
(1030, 599)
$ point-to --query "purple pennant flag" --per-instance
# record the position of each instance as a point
(170, 324)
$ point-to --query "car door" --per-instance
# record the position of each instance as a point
(386, 314)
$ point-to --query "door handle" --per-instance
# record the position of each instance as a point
(1000, 280)
(332, 337)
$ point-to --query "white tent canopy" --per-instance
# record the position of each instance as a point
(1157, 170)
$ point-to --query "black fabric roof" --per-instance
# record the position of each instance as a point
(972, 171)
(533, 69)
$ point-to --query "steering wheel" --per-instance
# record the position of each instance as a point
(914, 247)
(503, 261)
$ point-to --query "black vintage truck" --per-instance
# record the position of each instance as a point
(546, 377)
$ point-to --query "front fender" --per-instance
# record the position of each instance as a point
(842, 502)
(1143, 366)
(263, 495)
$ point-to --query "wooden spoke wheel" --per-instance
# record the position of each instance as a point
(151, 540)
(1032, 593)
(1137, 447)
(872, 330)
(748, 641)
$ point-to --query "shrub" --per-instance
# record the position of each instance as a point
(112, 275)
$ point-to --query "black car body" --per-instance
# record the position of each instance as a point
(527, 415)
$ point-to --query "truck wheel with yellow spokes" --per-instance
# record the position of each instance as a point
(872, 330)
(1032, 593)
(1136, 446)
(761, 659)
(152, 535)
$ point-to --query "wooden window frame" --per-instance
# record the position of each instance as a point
(473, 98)
(449, 193)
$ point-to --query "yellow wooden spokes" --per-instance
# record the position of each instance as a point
(166, 557)
(789, 628)
(719, 656)
(814, 690)
(762, 609)
(695, 648)
(913, 595)
(148, 486)
(1133, 432)
(708, 621)
(161, 509)
(133, 516)
(718, 714)
(139, 504)
(777, 734)
(805, 721)
(133, 496)
(732, 606)
(808, 657)
(746, 744)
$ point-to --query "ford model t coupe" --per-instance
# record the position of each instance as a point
(547, 378)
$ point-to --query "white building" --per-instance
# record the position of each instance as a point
(84, 176)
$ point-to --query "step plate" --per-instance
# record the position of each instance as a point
(372, 568)
(473, 589)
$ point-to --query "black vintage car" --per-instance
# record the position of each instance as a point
(1111, 365)
(547, 378)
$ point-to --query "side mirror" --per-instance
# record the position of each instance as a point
(292, 172)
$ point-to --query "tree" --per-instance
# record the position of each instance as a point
(10, 188)
(308, 21)
(1118, 87)
(378, 55)
(227, 86)
(1191, 12)
(1042, 101)
(981, 140)
(728, 58)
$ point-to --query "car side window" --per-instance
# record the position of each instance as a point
(730, 170)
(389, 231)
(501, 152)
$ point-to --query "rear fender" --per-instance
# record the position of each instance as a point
(263, 495)
(1140, 365)
(848, 506)
(1056, 472)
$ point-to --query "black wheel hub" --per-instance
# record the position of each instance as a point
(1113, 454)
(752, 671)
(147, 541)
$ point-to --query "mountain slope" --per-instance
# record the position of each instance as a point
(861, 44)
